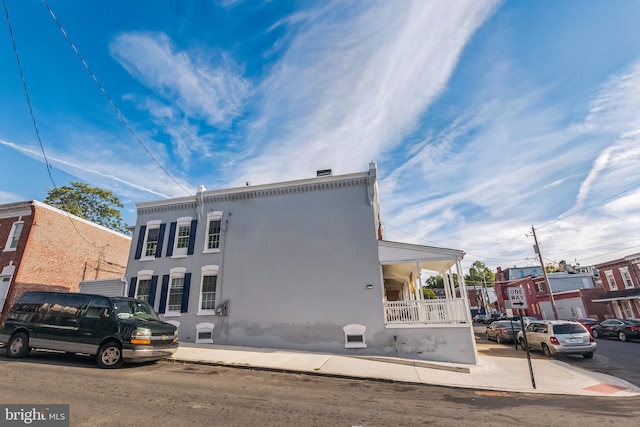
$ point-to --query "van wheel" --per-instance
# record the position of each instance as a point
(545, 350)
(18, 346)
(110, 355)
(588, 355)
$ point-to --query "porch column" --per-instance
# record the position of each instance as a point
(463, 291)
(447, 284)
(420, 295)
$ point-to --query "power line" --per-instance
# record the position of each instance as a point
(26, 92)
(590, 206)
(111, 103)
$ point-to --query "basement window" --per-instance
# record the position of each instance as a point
(204, 333)
(354, 336)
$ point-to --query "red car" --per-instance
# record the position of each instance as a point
(587, 322)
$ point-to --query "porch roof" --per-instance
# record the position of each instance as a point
(619, 295)
(401, 258)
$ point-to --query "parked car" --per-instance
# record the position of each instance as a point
(587, 322)
(503, 331)
(114, 329)
(622, 329)
(479, 318)
(558, 337)
(492, 318)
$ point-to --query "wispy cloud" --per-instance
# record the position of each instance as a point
(354, 81)
(201, 88)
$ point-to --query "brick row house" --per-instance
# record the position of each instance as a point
(44, 248)
(573, 293)
(621, 280)
(296, 265)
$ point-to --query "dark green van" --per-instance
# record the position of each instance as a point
(114, 329)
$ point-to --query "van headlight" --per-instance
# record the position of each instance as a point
(141, 336)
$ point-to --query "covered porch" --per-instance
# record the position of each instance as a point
(404, 303)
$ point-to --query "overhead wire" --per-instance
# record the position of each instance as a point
(109, 100)
(26, 92)
(35, 124)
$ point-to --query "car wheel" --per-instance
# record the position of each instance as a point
(588, 355)
(622, 336)
(521, 341)
(546, 351)
(488, 337)
(110, 355)
(594, 333)
(18, 345)
(499, 339)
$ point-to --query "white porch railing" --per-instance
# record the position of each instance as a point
(434, 311)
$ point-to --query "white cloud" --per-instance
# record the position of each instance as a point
(354, 82)
(202, 89)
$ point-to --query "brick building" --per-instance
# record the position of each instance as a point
(621, 281)
(573, 293)
(44, 248)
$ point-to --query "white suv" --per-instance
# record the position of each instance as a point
(559, 336)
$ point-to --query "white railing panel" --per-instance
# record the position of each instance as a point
(436, 311)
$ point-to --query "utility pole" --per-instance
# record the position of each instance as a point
(546, 278)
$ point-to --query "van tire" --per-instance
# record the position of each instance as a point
(110, 355)
(18, 346)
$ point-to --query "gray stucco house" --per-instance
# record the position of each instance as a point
(296, 265)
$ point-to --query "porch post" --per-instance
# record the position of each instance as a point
(448, 284)
(463, 291)
(420, 295)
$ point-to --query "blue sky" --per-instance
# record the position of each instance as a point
(484, 117)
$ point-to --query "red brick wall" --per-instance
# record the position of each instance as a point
(60, 251)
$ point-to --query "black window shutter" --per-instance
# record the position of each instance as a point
(143, 230)
(160, 240)
(163, 294)
(132, 286)
(185, 293)
(192, 237)
(172, 236)
(152, 291)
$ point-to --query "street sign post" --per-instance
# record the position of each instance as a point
(518, 300)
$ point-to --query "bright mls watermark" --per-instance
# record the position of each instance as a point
(34, 415)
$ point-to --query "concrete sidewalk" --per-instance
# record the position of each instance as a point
(492, 373)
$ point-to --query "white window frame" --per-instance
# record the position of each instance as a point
(206, 327)
(184, 221)
(212, 216)
(611, 280)
(151, 225)
(6, 276)
(174, 273)
(626, 277)
(9, 247)
(208, 270)
(143, 275)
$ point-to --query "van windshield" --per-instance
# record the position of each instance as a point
(133, 309)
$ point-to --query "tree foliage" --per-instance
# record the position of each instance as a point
(479, 274)
(437, 282)
(428, 293)
(91, 203)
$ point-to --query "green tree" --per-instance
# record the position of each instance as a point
(91, 203)
(429, 293)
(438, 281)
(479, 274)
